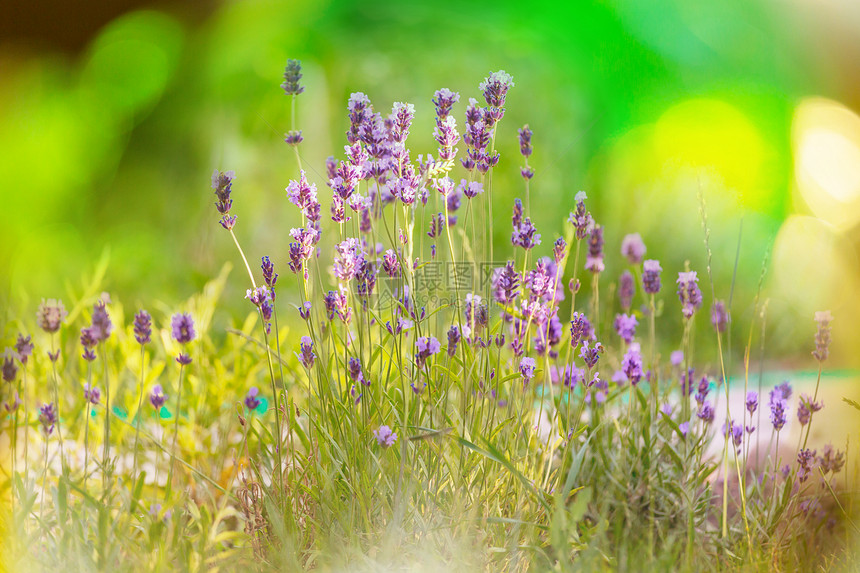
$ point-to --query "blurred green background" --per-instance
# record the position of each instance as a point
(113, 118)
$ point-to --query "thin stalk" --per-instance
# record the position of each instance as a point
(175, 434)
(139, 403)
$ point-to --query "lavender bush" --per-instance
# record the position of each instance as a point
(403, 393)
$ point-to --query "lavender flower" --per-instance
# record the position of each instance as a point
(626, 290)
(142, 327)
(304, 196)
(831, 461)
(88, 341)
(92, 395)
(505, 283)
(625, 326)
(401, 119)
(777, 414)
(581, 218)
(752, 402)
(269, 274)
(427, 346)
(594, 260)
(251, 400)
(735, 432)
(822, 337)
(446, 135)
(348, 259)
(527, 369)
(580, 329)
(305, 310)
(633, 248)
(444, 99)
(157, 397)
(471, 190)
(292, 75)
(182, 326)
(677, 357)
(384, 436)
(495, 88)
(706, 412)
(101, 323)
(525, 140)
(353, 370)
(24, 348)
(805, 463)
(51, 315)
(806, 408)
(781, 392)
(306, 357)
(689, 293)
(591, 355)
(719, 316)
(222, 183)
(631, 364)
(454, 339)
(10, 369)
(48, 417)
(651, 276)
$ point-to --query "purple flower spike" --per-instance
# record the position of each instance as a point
(752, 401)
(454, 339)
(633, 248)
(384, 436)
(631, 364)
(778, 415)
(591, 355)
(24, 348)
(527, 369)
(305, 310)
(719, 316)
(580, 329)
(625, 326)
(651, 276)
(292, 75)
(92, 395)
(183, 359)
(10, 369)
(558, 250)
(142, 327)
(182, 326)
(525, 140)
(689, 293)
(495, 88)
(222, 184)
(626, 290)
(88, 341)
(444, 99)
(48, 417)
(471, 190)
(306, 357)
(304, 196)
(51, 315)
(101, 323)
(805, 463)
(157, 397)
(581, 218)
(807, 408)
(594, 260)
(251, 400)
(427, 346)
(706, 412)
(506, 283)
(822, 337)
